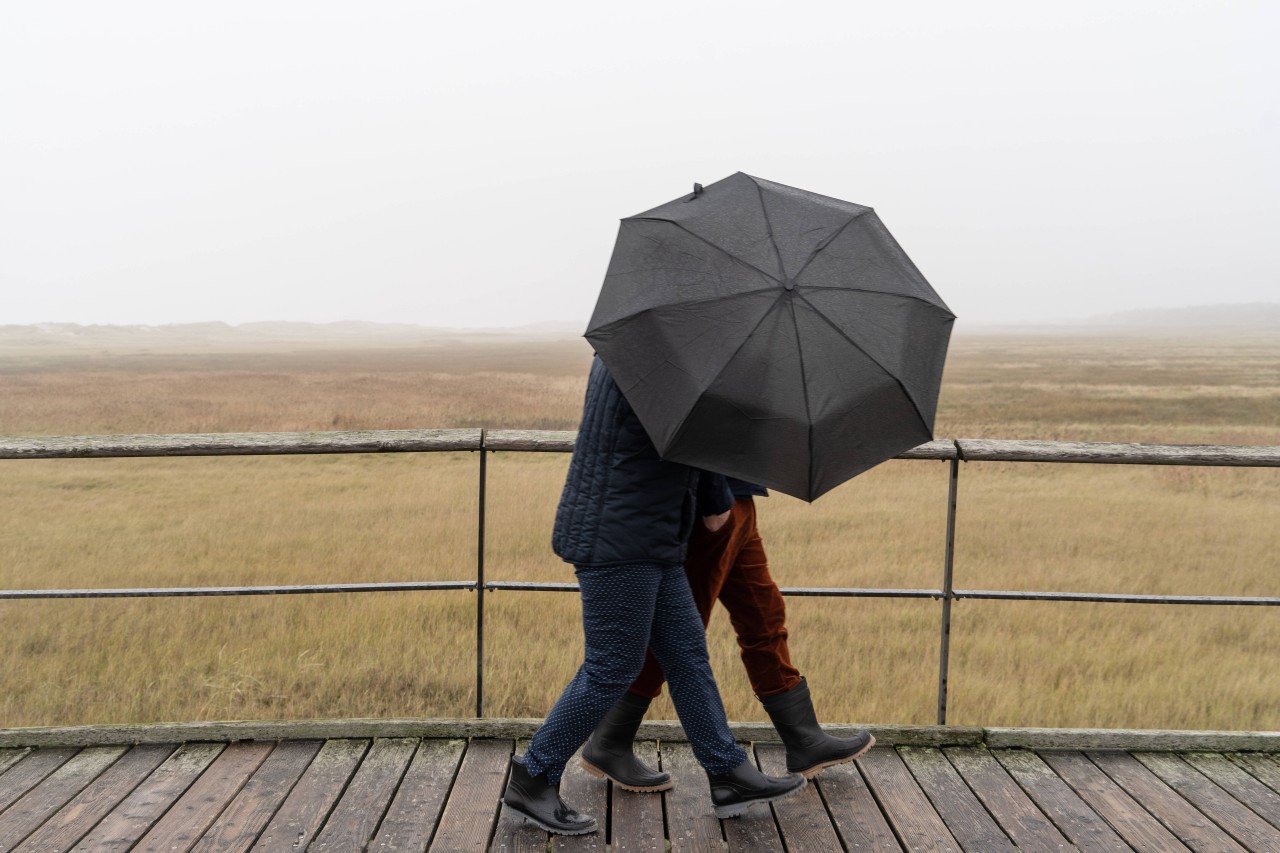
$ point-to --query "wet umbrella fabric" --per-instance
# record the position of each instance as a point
(771, 334)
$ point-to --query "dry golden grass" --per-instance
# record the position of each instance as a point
(171, 522)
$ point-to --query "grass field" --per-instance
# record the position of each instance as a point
(171, 522)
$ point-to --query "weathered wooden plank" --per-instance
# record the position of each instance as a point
(530, 440)
(589, 795)
(960, 810)
(1239, 784)
(355, 818)
(470, 727)
(1261, 767)
(854, 811)
(238, 443)
(1127, 739)
(1234, 818)
(1017, 815)
(196, 810)
(692, 826)
(63, 829)
(756, 830)
(1179, 816)
(10, 756)
(238, 827)
(914, 819)
(415, 811)
(340, 441)
(978, 449)
(1138, 828)
(802, 818)
(1082, 826)
(636, 818)
(303, 812)
(513, 834)
(60, 786)
(469, 816)
(30, 771)
(136, 813)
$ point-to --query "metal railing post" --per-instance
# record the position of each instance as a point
(944, 649)
(480, 580)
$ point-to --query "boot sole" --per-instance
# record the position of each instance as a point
(528, 818)
(737, 809)
(810, 772)
(639, 789)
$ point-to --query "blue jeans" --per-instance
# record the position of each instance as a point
(624, 610)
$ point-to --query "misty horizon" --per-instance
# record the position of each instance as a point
(448, 166)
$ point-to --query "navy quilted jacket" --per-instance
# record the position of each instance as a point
(621, 503)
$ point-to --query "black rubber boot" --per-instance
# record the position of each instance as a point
(734, 792)
(809, 748)
(609, 754)
(538, 801)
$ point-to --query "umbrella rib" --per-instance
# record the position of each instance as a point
(777, 253)
(652, 308)
(878, 293)
(828, 241)
(721, 249)
(889, 373)
(804, 387)
(675, 436)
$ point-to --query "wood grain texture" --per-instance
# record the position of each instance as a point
(1238, 783)
(1264, 768)
(472, 810)
(636, 818)
(589, 795)
(60, 786)
(302, 813)
(1018, 816)
(664, 730)
(147, 803)
(1232, 816)
(1082, 826)
(1003, 450)
(10, 756)
(962, 812)
(692, 826)
(356, 816)
(757, 829)
(238, 443)
(195, 811)
(1138, 828)
(411, 820)
(912, 816)
(239, 826)
(63, 829)
(514, 834)
(854, 811)
(802, 817)
(30, 770)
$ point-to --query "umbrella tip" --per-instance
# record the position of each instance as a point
(697, 191)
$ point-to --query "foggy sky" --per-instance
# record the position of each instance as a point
(465, 164)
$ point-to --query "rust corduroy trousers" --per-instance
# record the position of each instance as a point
(730, 565)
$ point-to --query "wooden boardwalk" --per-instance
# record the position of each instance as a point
(415, 794)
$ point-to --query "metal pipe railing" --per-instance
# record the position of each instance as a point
(484, 441)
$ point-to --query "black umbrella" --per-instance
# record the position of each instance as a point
(771, 334)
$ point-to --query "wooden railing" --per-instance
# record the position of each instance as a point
(484, 442)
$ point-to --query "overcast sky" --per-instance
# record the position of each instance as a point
(465, 164)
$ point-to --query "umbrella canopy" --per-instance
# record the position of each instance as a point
(771, 334)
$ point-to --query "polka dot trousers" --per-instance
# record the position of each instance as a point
(624, 610)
